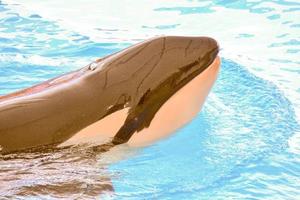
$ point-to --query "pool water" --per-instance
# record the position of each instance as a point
(244, 144)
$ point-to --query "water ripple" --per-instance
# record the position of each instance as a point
(236, 147)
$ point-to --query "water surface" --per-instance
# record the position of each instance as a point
(243, 145)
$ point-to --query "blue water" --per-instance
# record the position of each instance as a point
(235, 148)
(240, 146)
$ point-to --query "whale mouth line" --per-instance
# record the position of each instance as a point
(142, 115)
(202, 68)
(214, 65)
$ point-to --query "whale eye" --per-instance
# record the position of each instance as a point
(92, 66)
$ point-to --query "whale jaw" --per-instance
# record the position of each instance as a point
(175, 71)
(180, 109)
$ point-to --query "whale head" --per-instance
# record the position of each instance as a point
(142, 79)
(163, 66)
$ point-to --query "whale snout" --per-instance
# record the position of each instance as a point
(204, 50)
(187, 52)
(207, 47)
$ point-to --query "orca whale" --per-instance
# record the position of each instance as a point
(137, 95)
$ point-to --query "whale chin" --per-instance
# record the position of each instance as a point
(180, 109)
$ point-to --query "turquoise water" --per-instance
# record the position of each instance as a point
(243, 145)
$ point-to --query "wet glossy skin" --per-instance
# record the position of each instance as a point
(142, 78)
